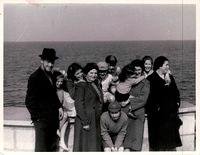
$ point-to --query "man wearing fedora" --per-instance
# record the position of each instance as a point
(43, 104)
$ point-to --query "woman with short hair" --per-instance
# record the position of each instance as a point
(162, 108)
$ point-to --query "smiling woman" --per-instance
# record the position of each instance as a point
(88, 103)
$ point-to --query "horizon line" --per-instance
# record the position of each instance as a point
(103, 40)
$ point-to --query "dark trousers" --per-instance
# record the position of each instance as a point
(46, 138)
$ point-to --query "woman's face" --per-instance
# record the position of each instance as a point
(147, 65)
(79, 74)
(91, 75)
(165, 67)
(59, 83)
(138, 71)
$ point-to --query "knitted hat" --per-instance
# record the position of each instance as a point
(114, 107)
(89, 67)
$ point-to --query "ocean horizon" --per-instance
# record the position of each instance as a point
(21, 59)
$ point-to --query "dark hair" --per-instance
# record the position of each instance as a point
(72, 69)
(159, 61)
(89, 66)
(137, 63)
(147, 58)
(126, 72)
(111, 59)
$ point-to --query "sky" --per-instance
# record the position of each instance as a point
(99, 22)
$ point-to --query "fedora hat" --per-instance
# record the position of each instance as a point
(48, 54)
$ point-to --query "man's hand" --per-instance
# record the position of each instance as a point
(61, 113)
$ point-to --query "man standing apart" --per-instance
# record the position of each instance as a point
(43, 104)
(113, 128)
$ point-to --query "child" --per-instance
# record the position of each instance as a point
(69, 111)
(113, 128)
(127, 79)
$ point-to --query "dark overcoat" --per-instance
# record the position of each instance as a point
(162, 110)
(134, 137)
(41, 98)
(88, 104)
(42, 102)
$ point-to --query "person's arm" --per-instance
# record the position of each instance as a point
(31, 100)
(122, 133)
(140, 100)
(104, 132)
(80, 103)
(70, 87)
(135, 81)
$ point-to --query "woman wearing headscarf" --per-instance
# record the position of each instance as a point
(162, 108)
(88, 104)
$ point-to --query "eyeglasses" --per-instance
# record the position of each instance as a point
(103, 71)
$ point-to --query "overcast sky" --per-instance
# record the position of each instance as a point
(93, 22)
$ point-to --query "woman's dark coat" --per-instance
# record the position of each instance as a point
(88, 104)
(162, 108)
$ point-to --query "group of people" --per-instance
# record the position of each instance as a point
(107, 105)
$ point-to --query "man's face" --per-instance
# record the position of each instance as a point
(103, 74)
(47, 65)
(115, 115)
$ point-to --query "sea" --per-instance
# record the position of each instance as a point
(21, 59)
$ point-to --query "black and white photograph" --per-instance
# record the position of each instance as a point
(99, 77)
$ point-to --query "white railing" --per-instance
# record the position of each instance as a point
(20, 135)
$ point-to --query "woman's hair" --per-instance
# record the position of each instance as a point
(126, 72)
(159, 61)
(137, 63)
(147, 58)
(72, 69)
(90, 66)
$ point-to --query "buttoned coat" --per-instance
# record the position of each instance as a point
(88, 104)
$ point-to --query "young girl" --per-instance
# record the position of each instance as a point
(127, 79)
(69, 111)
(148, 65)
